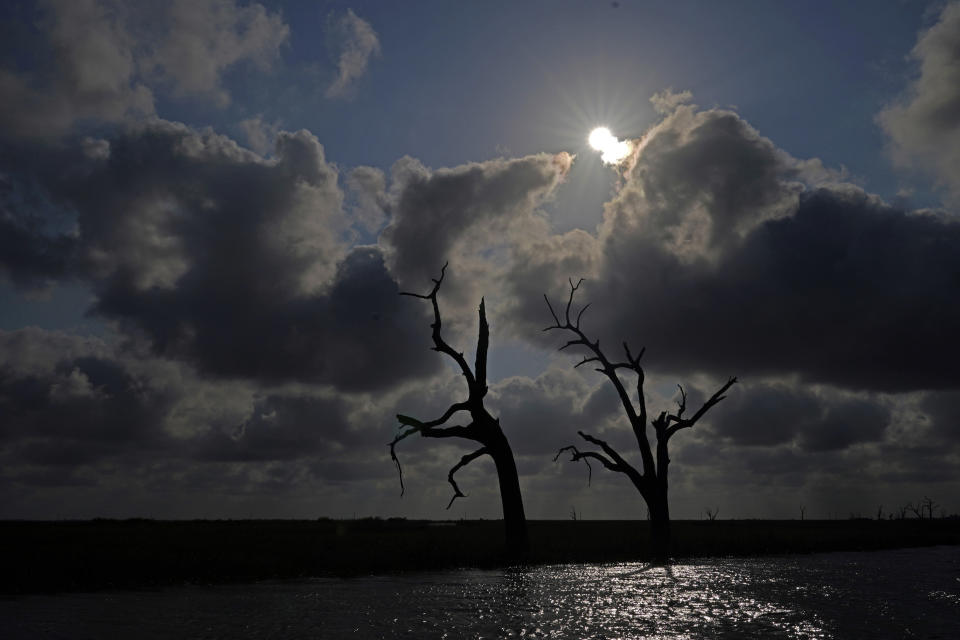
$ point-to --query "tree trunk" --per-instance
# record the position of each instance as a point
(659, 526)
(514, 520)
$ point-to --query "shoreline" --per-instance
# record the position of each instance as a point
(63, 556)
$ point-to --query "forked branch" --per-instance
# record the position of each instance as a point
(439, 344)
(685, 423)
(576, 454)
(609, 458)
(636, 415)
(464, 461)
(429, 429)
(476, 384)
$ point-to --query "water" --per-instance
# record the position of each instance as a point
(890, 594)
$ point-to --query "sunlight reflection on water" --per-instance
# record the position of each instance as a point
(891, 594)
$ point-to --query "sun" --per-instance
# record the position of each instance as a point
(611, 149)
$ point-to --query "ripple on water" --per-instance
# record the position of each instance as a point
(892, 594)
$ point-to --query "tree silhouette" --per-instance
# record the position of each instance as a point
(483, 428)
(651, 479)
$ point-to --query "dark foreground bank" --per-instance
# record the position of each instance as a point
(104, 554)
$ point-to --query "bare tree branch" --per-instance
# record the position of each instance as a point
(576, 454)
(609, 369)
(553, 313)
(438, 341)
(689, 422)
(573, 343)
(579, 315)
(682, 402)
(396, 460)
(652, 483)
(635, 366)
(452, 409)
(483, 428)
(586, 360)
(464, 461)
(573, 289)
(621, 465)
(426, 430)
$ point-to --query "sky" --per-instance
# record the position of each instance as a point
(208, 209)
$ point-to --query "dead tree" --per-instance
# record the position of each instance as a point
(915, 510)
(712, 513)
(651, 479)
(482, 428)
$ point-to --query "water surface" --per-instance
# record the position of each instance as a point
(888, 594)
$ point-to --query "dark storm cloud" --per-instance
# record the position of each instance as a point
(846, 290)
(80, 411)
(30, 258)
(731, 259)
(541, 414)
(240, 265)
(72, 406)
(924, 126)
(237, 264)
(943, 411)
(766, 415)
(260, 349)
(844, 424)
(774, 414)
(281, 428)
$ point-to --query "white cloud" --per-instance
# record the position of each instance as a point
(205, 37)
(924, 126)
(111, 57)
(358, 43)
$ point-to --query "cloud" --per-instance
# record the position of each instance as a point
(847, 290)
(367, 186)
(84, 411)
(261, 136)
(544, 413)
(282, 427)
(666, 101)
(205, 38)
(358, 42)
(108, 59)
(67, 402)
(701, 180)
(924, 126)
(943, 411)
(30, 257)
(464, 213)
(93, 73)
(260, 349)
(238, 264)
(768, 414)
(721, 253)
(765, 414)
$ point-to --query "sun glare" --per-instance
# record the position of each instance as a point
(611, 149)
